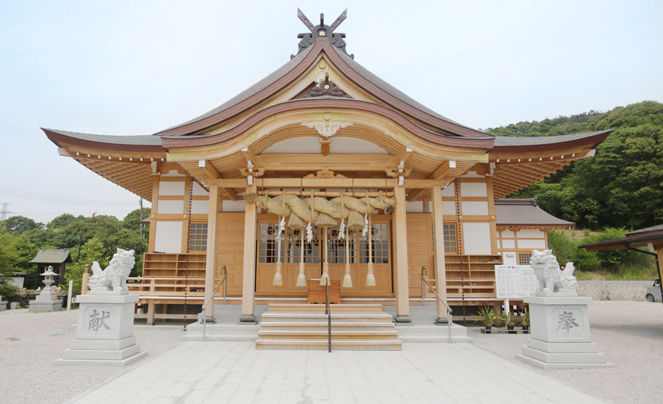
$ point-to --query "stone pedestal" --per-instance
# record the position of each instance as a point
(3, 305)
(560, 334)
(105, 331)
(45, 301)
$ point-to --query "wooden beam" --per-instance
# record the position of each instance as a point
(403, 155)
(249, 156)
(210, 172)
(438, 174)
(336, 162)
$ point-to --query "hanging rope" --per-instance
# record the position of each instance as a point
(347, 279)
(370, 278)
(324, 279)
(278, 278)
(301, 278)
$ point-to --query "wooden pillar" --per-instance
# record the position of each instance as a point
(248, 270)
(401, 262)
(659, 251)
(153, 211)
(210, 262)
(440, 267)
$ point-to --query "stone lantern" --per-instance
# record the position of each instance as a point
(46, 300)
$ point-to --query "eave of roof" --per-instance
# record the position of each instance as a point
(141, 143)
(525, 213)
(484, 143)
(52, 256)
(504, 144)
(625, 242)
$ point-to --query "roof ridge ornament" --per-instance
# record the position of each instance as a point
(322, 30)
(326, 87)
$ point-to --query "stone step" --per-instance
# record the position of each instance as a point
(437, 339)
(220, 337)
(323, 335)
(339, 315)
(336, 345)
(336, 326)
(333, 307)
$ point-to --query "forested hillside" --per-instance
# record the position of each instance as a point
(622, 186)
(97, 239)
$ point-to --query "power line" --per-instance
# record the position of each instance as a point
(60, 200)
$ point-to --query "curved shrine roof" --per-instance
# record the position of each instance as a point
(526, 213)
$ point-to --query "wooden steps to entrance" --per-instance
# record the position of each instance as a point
(304, 326)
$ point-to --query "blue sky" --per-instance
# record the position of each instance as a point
(136, 67)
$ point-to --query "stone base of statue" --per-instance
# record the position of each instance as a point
(45, 301)
(105, 331)
(3, 305)
(560, 337)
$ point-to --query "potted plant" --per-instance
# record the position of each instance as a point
(487, 316)
(524, 320)
(510, 322)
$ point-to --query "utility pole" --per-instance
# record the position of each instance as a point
(140, 225)
(4, 214)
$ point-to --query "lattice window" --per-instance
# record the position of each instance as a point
(311, 250)
(523, 258)
(268, 243)
(450, 238)
(336, 247)
(380, 237)
(198, 237)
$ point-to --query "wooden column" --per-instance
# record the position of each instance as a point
(153, 211)
(210, 262)
(401, 263)
(659, 251)
(440, 267)
(248, 270)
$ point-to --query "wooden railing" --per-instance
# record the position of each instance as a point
(166, 286)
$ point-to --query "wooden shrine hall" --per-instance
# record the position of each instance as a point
(322, 170)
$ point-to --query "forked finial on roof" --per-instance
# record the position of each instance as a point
(321, 30)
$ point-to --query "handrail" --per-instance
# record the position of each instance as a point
(211, 299)
(440, 299)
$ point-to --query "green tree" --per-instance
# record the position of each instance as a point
(19, 224)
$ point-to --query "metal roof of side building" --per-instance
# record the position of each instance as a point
(526, 213)
(52, 256)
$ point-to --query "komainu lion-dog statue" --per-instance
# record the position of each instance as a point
(551, 278)
(114, 277)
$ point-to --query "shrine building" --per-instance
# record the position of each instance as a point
(324, 138)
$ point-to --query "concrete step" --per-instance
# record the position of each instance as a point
(336, 326)
(323, 335)
(336, 345)
(356, 316)
(333, 307)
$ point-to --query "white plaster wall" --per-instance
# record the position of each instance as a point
(475, 208)
(508, 243)
(473, 189)
(450, 190)
(531, 233)
(476, 238)
(168, 237)
(414, 207)
(531, 243)
(199, 207)
(499, 244)
(472, 174)
(353, 146)
(170, 207)
(168, 188)
(198, 190)
(508, 234)
(448, 208)
(509, 258)
(233, 206)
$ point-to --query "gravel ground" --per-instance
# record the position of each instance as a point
(30, 342)
(630, 333)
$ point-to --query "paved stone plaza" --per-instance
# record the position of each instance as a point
(234, 372)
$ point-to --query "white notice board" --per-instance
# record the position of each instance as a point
(515, 281)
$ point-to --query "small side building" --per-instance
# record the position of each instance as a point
(521, 227)
(57, 258)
